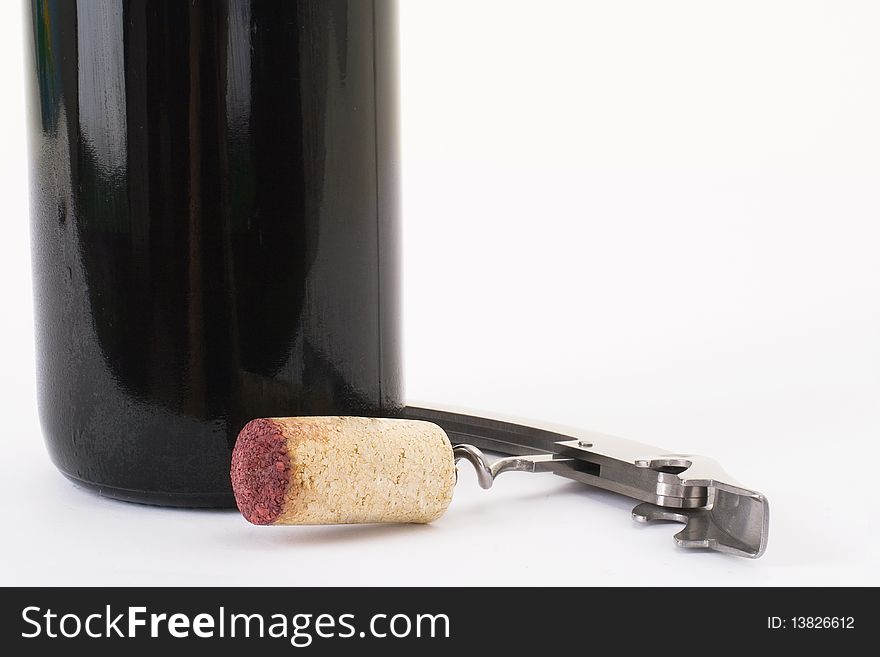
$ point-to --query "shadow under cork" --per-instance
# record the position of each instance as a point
(311, 535)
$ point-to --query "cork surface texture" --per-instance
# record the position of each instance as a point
(342, 470)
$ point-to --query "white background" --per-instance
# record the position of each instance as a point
(654, 219)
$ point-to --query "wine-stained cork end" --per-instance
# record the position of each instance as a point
(260, 471)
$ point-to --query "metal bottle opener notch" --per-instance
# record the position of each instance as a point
(718, 513)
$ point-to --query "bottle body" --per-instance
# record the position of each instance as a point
(214, 230)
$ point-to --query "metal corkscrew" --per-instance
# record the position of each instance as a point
(718, 513)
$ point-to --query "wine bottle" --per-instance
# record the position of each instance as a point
(214, 229)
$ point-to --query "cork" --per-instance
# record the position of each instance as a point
(341, 470)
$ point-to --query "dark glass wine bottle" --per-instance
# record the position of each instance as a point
(214, 228)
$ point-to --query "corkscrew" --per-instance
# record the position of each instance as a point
(718, 513)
